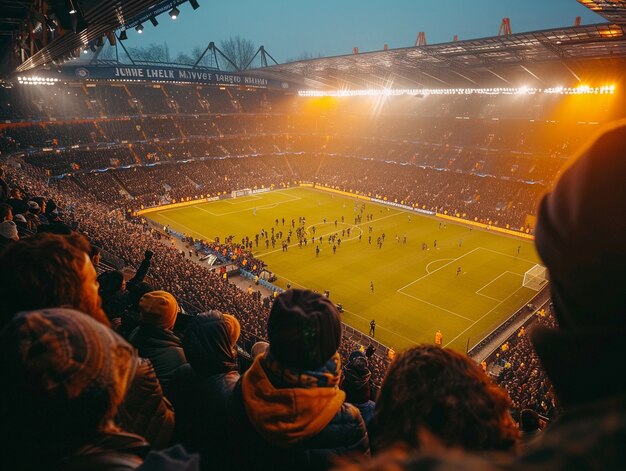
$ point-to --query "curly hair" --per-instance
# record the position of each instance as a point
(448, 394)
(47, 270)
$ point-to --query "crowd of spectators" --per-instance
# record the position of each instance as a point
(79, 392)
(521, 373)
(465, 157)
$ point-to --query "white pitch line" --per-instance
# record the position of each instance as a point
(203, 236)
(510, 256)
(435, 261)
(247, 200)
(438, 307)
(434, 271)
(206, 211)
(484, 315)
(488, 297)
(382, 328)
(245, 210)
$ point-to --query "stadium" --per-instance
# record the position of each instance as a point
(398, 189)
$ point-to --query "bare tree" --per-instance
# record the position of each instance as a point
(207, 60)
(152, 53)
(305, 56)
(107, 52)
(239, 50)
(183, 58)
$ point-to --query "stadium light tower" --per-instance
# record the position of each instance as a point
(505, 27)
(421, 39)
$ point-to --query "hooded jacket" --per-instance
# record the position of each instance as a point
(292, 428)
(163, 348)
(201, 389)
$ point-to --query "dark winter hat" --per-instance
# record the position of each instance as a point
(33, 207)
(529, 420)
(356, 380)
(110, 282)
(355, 354)
(62, 357)
(8, 230)
(581, 234)
(304, 329)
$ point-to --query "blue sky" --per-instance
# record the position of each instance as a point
(288, 29)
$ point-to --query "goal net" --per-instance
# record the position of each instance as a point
(244, 192)
(536, 278)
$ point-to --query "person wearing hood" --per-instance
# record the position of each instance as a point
(581, 238)
(155, 339)
(356, 383)
(201, 389)
(288, 408)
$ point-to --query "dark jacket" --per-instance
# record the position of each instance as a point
(163, 348)
(201, 389)
(145, 411)
(4, 191)
(123, 451)
(344, 435)
(112, 451)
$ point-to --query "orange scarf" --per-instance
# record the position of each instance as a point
(286, 416)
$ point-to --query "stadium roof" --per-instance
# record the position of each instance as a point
(613, 10)
(557, 54)
(494, 61)
(34, 33)
(560, 54)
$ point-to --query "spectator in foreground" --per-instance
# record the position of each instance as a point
(201, 389)
(154, 337)
(288, 409)
(435, 398)
(48, 271)
(69, 375)
(581, 229)
(8, 233)
(530, 426)
(356, 384)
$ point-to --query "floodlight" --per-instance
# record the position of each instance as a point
(154, 21)
(174, 12)
(123, 36)
(139, 28)
(194, 4)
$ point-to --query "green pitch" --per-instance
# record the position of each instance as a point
(465, 287)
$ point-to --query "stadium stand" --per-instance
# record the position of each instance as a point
(79, 158)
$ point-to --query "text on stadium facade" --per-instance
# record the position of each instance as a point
(181, 74)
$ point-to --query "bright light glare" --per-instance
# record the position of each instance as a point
(524, 90)
(36, 80)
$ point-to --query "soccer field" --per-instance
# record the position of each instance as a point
(465, 286)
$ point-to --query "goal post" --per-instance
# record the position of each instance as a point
(242, 192)
(535, 278)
